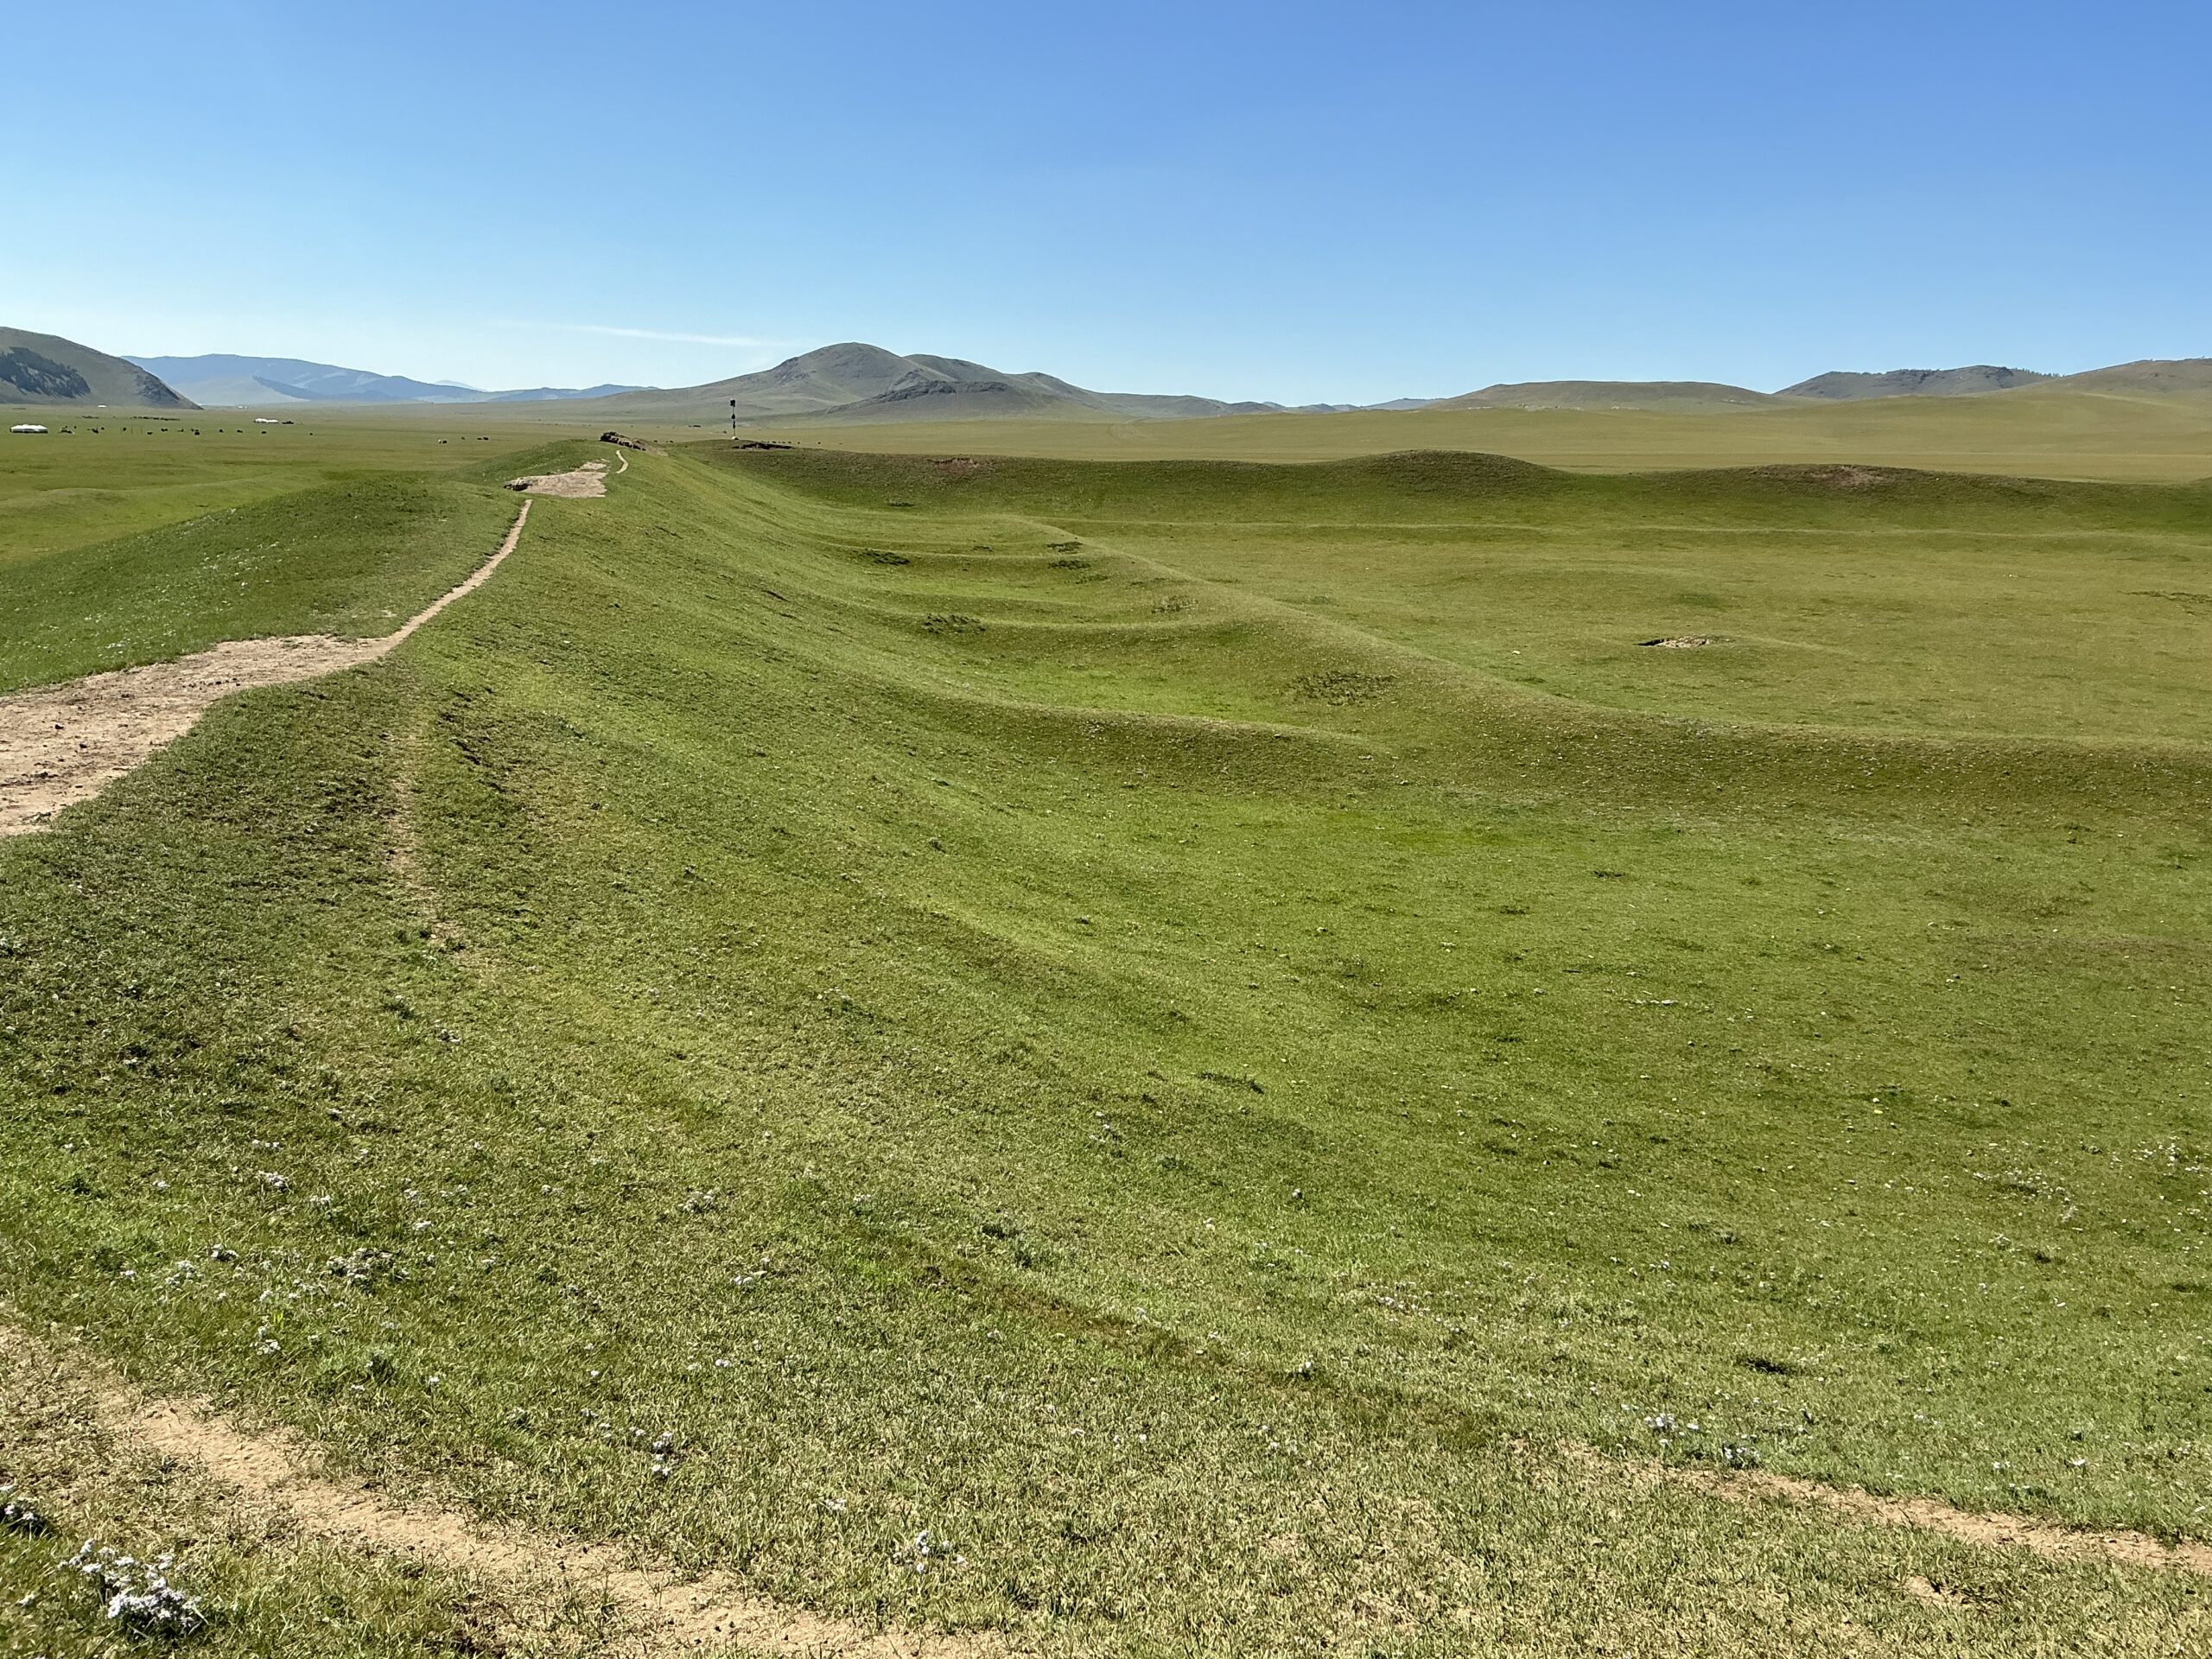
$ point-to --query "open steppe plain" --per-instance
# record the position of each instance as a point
(972, 1052)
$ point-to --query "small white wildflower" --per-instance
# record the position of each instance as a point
(924, 1552)
(138, 1594)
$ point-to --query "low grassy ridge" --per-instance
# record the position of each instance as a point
(1104, 1014)
(2058, 433)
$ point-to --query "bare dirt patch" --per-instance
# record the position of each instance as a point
(1936, 1595)
(1992, 1529)
(1341, 687)
(590, 479)
(62, 744)
(1680, 642)
(2041, 1538)
(1832, 476)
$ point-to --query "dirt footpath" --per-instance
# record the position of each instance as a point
(278, 1480)
(62, 744)
(676, 1613)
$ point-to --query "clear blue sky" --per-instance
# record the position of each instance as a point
(1348, 201)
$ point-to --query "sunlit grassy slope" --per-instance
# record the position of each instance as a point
(1103, 1012)
(1843, 596)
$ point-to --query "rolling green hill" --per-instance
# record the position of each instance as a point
(1229, 1042)
(1605, 394)
(1914, 383)
(45, 369)
(854, 382)
(868, 390)
(2187, 376)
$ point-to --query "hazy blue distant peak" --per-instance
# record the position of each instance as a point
(223, 377)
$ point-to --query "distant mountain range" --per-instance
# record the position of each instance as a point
(854, 383)
(2157, 377)
(47, 369)
(221, 380)
(1915, 383)
(857, 384)
(1603, 394)
(2152, 377)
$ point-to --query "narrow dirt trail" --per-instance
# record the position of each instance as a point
(2043, 1538)
(676, 1615)
(276, 1474)
(63, 744)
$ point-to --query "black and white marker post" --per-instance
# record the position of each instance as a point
(733, 420)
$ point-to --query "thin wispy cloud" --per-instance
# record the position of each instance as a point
(620, 332)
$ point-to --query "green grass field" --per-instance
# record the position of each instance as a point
(1221, 1038)
(2052, 434)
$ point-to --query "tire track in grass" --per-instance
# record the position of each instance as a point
(2047, 1539)
(275, 1471)
(1994, 1529)
(683, 1614)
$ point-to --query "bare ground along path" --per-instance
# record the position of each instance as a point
(274, 1471)
(62, 744)
(668, 1613)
